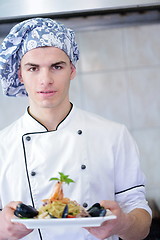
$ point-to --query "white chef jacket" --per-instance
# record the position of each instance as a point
(98, 154)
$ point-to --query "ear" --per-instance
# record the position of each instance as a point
(20, 76)
(73, 71)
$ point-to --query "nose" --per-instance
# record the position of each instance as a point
(45, 77)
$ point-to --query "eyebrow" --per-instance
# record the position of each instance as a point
(31, 64)
(58, 63)
(37, 65)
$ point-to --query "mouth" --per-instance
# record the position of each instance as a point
(47, 93)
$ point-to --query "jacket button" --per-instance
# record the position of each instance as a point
(79, 132)
(33, 173)
(85, 205)
(83, 166)
(28, 138)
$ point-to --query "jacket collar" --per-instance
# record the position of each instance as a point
(32, 125)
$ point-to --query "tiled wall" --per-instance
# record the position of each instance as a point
(118, 77)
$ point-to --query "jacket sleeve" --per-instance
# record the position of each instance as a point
(129, 178)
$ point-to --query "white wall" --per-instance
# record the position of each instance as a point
(11, 108)
(119, 78)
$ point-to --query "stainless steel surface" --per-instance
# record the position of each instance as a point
(19, 8)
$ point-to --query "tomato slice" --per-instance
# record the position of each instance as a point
(70, 216)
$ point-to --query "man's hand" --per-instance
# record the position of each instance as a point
(9, 230)
(132, 226)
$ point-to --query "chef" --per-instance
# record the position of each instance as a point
(38, 59)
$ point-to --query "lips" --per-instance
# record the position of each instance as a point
(47, 92)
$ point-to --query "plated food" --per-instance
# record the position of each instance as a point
(57, 206)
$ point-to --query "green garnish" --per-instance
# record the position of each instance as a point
(63, 178)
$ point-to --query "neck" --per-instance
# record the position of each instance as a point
(49, 117)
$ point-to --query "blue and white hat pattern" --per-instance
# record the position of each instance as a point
(27, 35)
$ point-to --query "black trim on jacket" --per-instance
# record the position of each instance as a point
(30, 190)
(58, 123)
(125, 190)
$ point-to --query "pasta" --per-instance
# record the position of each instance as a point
(56, 209)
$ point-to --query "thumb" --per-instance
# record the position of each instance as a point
(12, 204)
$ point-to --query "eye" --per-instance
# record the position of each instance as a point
(33, 69)
(57, 67)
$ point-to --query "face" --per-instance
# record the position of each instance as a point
(46, 73)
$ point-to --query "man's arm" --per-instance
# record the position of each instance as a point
(9, 230)
(137, 225)
(132, 226)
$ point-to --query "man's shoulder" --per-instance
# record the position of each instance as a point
(98, 120)
(100, 128)
(10, 129)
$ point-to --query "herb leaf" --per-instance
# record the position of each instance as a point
(63, 178)
(54, 179)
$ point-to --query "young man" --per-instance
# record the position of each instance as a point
(38, 59)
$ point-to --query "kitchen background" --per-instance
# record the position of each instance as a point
(118, 77)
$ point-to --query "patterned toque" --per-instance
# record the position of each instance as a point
(27, 35)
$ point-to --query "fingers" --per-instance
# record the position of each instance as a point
(109, 204)
(99, 232)
(9, 209)
(9, 230)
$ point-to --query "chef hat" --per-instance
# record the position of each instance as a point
(27, 35)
